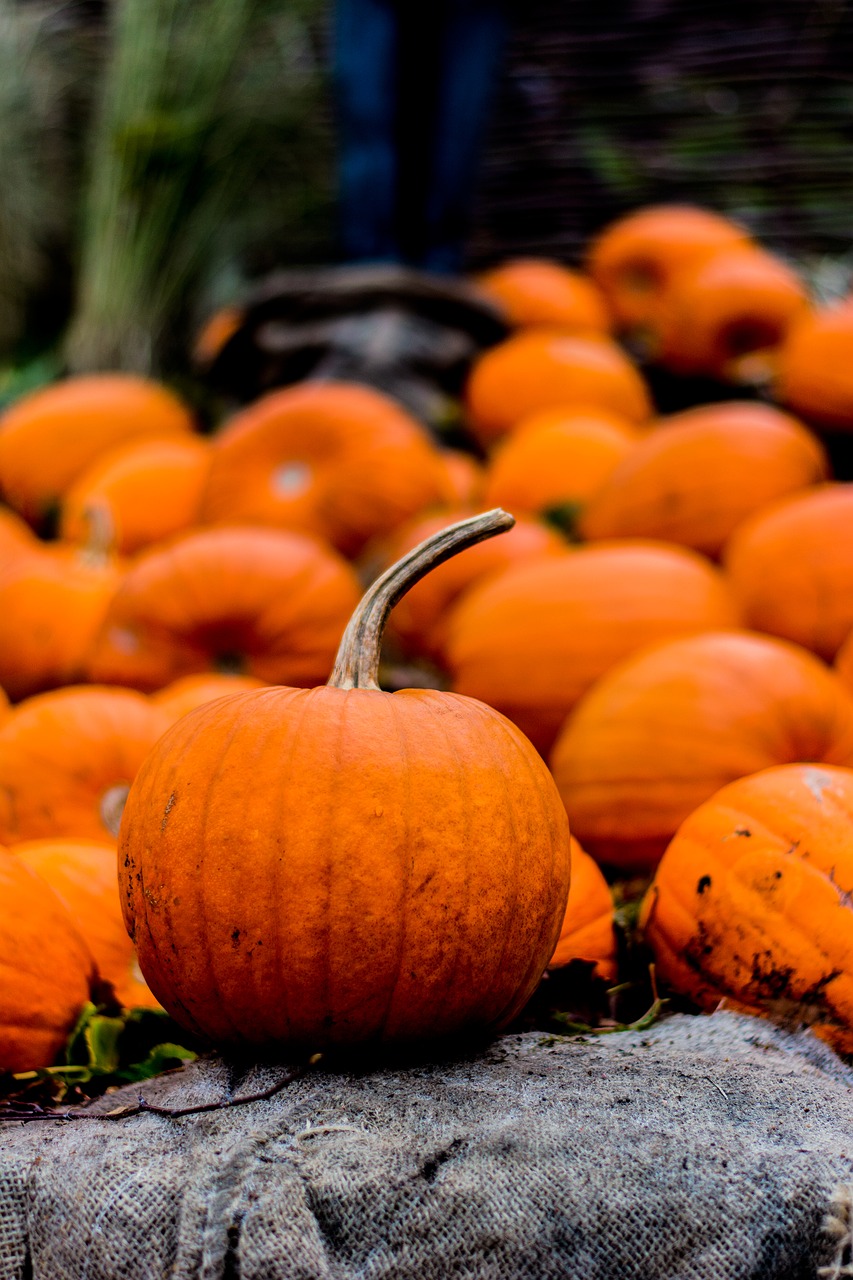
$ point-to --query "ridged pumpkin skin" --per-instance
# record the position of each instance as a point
(52, 602)
(751, 901)
(149, 489)
(659, 734)
(263, 602)
(49, 437)
(67, 758)
(701, 472)
(557, 460)
(538, 291)
(337, 460)
(537, 369)
(189, 692)
(82, 874)
(533, 639)
(721, 317)
(587, 932)
(413, 855)
(419, 623)
(791, 568)
(46, 969)
(634, 258)
(814, 367)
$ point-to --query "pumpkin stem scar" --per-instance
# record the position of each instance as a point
(357, 663)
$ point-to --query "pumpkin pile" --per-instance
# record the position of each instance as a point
(333, 832)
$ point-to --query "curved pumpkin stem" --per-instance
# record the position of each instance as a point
(357, 663)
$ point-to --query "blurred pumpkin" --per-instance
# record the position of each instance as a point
(531, 640)
(260, 602)
(701, 472)
(188, 692)
(814, 368)
(661, 732)
(751, 901)
(587, 932)
(538, 291)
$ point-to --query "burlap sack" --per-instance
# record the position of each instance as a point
(704, 1148)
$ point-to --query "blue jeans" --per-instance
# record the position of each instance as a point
(413, 80)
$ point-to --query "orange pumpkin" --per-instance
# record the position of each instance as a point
(701, 472)
(419, 622)
(814, 366)
(634, 259)
(67, 759)
(531, 641)
(791, 568)
(537, 291)
(261, 602)
(661, 732)
(15, 535)
(402, 876)
(337, 460)
(725, 316)
(150, 489)
(52, 601)
(50, 436)
(189, 692)
(536, 369)
(751, 901)
(587, 932)
(844, 663)
(82, 874)
(463, 477)
(46, 969)
(556, 461)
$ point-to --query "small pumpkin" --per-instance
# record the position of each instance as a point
(814, 367)
(150, 490)
(464, 478)
(701, 472)
(82, 874)
(530, 641)
(50, 436)
(660, 733)
(751, 901)
(310, 868)
(262, 602)
(538, 291)
(587, 932)
(46, 969)
(340, 461)
(791, 568)
(188, 692)
(537, 369)
(67, 759)
(634, 258)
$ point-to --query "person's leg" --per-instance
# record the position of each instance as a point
(365, 77)
(472, 45)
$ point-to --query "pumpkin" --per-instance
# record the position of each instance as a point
(536, 369)
(82, 874)
(556, 461)
(701, 472)
(46, 969)
(814, 366)
(537, 291)
(463, 477)
(791, 568)
(67, 759)
(751, 901)
(50, 436)
(151, 489)
(844, 663)
(660, 733)
(189, 692)
(341, 461)
(419, 622)
(52, 601)
(15, 535)
(587, 932)
(309, 868)
(531, 640)
(725, 316)
(634, 259)
(260, 602)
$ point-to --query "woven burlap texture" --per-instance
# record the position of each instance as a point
(713, 1148)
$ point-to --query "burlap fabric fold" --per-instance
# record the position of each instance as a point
(712, 1148)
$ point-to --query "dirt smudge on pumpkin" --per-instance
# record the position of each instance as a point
(704, 883)
(167, 811)
(235, 939)
(817, 782)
